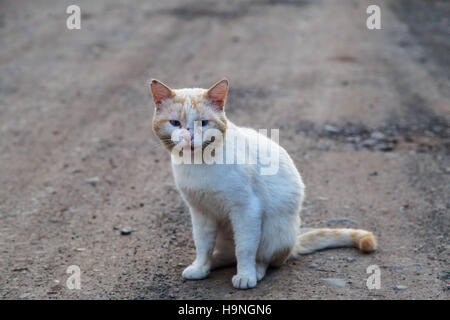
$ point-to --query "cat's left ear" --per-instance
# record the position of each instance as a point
(217, 94)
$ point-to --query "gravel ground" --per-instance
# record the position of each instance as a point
(364, 114)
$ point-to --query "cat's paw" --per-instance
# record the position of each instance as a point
(244, 281)
(194, 272)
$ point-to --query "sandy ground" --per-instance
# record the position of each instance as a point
(363, 113)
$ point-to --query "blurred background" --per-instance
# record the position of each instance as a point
(83, 180)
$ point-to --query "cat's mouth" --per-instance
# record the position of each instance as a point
(189, 147)
(196, 147)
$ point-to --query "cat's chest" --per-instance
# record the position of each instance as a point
(207, 202)
(198, 177)
(206, 189)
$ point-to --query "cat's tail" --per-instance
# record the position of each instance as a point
(311, 240)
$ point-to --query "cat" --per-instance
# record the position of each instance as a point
(238, 214)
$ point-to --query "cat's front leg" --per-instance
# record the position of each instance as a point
(204, 231)
(246, 223)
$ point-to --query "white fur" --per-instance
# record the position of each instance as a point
(260, 211)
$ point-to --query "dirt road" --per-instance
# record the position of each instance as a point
(364, 114)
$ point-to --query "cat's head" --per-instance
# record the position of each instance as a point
(188, 110)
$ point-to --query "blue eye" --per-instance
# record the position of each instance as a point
(175, 123)
(204, 123)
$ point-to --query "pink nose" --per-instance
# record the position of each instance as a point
(187, 137)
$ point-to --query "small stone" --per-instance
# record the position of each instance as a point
(331, 129)
(55, 289)
(126, 231)
(354, 140)
(443, 275)
(51, 190)
(377, 135)
(385, 147)
(93, 181)
(399, 288)
(312, 265)
(369, 143)
(350, 259)
(338, 283)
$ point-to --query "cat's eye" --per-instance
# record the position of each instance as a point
(205, 123)
(175, 123)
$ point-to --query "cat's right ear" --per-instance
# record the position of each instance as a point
(160, 92)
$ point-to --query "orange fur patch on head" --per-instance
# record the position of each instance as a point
(179, 99)
(195, 102)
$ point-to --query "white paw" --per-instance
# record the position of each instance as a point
(244, 281)
(194, 272)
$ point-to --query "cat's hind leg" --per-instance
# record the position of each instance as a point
(223, 255)
(277, 239)
(261, 268)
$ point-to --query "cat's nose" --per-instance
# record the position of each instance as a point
(187, 137)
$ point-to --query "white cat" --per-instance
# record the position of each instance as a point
(238, 214)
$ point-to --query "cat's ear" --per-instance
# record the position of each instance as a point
(217, 94)
(160, 91)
